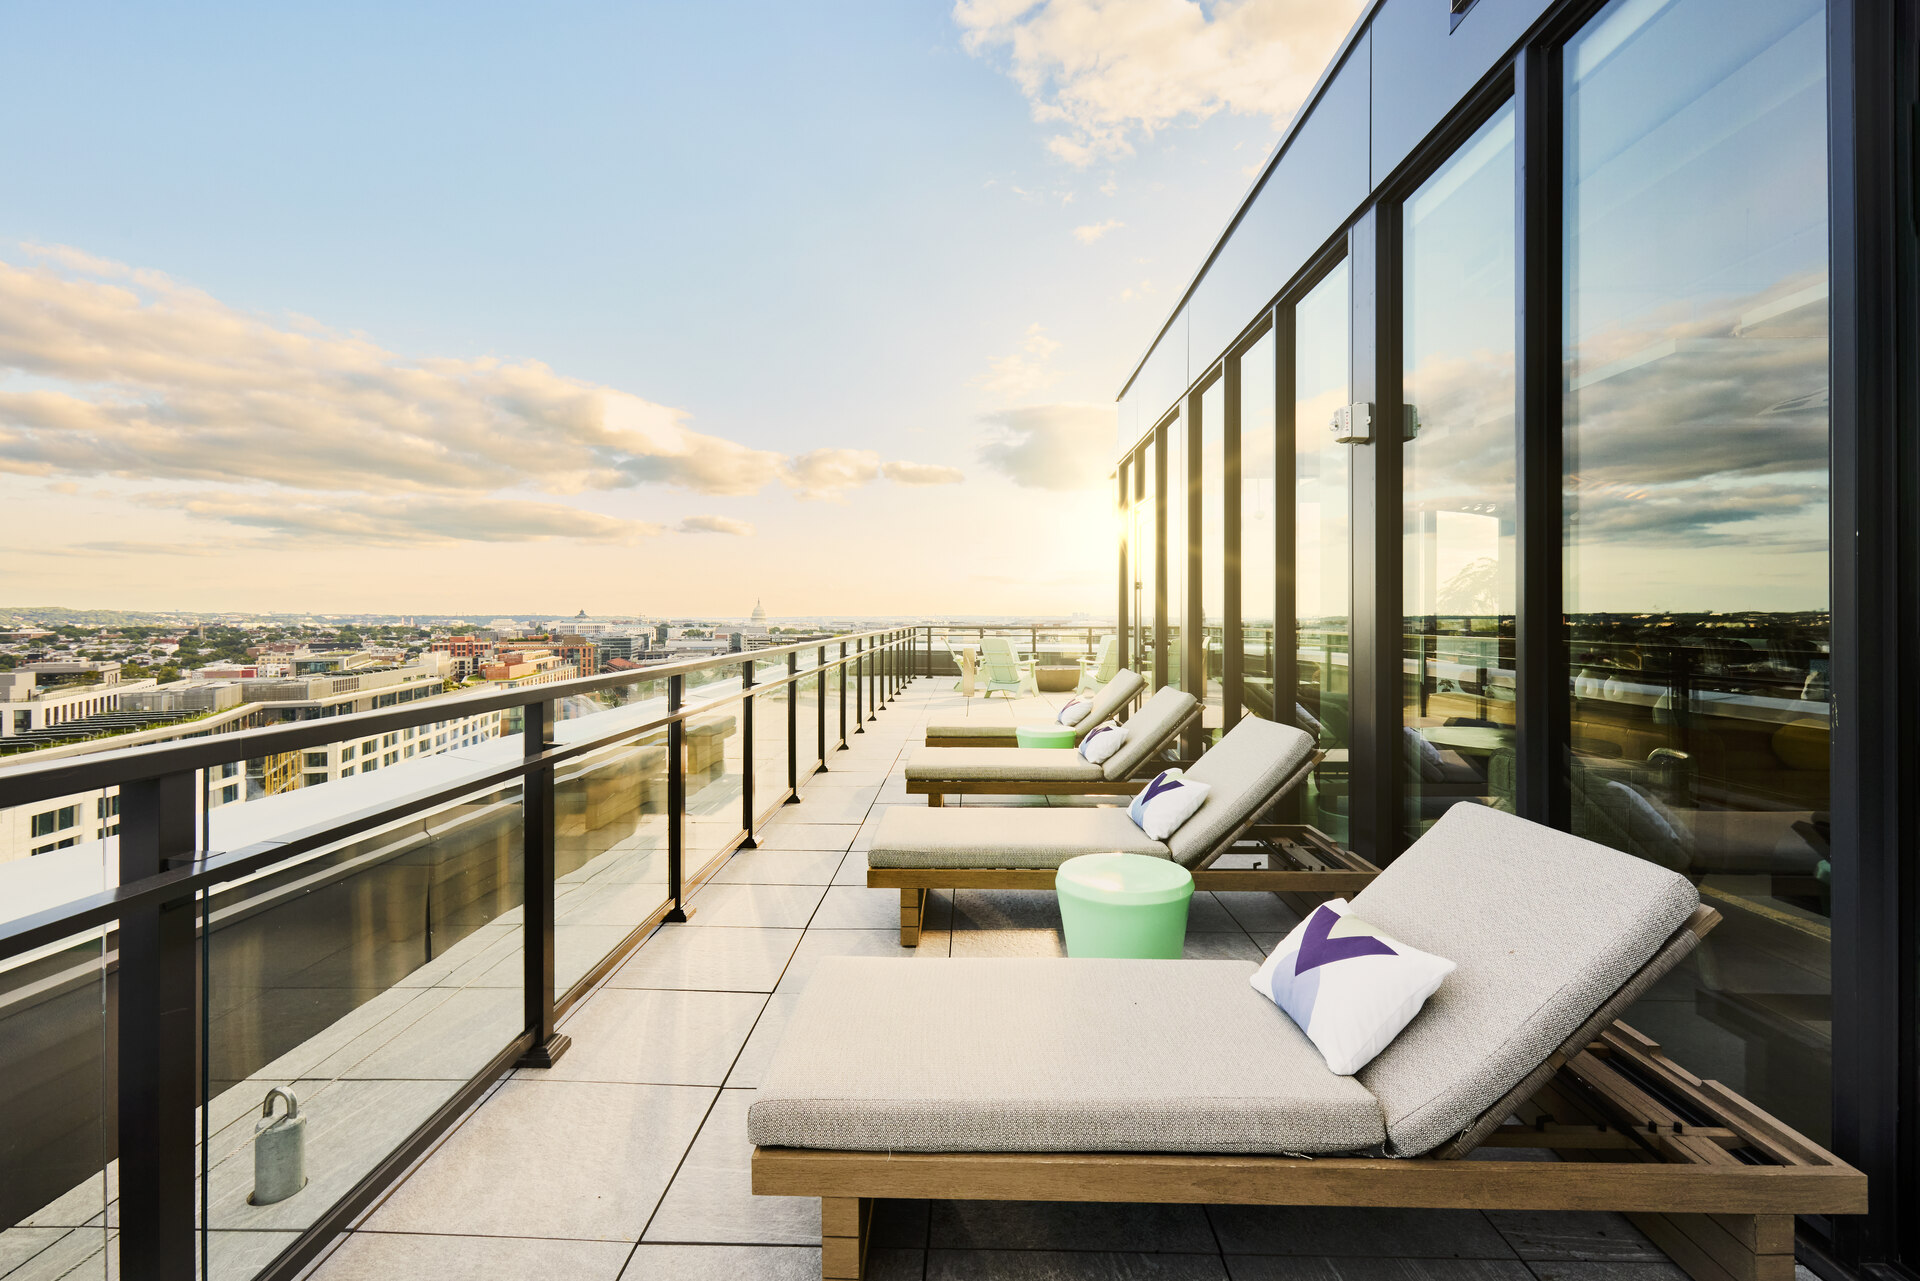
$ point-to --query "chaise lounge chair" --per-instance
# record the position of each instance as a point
(1116, 694)
(917, 850)
(939, 772)
(1175, 1081)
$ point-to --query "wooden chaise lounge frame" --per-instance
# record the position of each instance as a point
(936, 790)
(1304, 867)
(1719, 1195)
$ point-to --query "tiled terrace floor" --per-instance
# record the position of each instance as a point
(628, 1160)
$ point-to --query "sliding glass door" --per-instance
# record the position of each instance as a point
(1458, 726)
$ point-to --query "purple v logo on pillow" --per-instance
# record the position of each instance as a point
(1318, 946)
(1165, 803)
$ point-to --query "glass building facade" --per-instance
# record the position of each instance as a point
(1501, 443)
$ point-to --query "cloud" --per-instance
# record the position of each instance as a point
(1105, 70)
(829, 473)
(123, 372)
(1023, 373)
(715, 525)
(1094, 230)
(1055, 447)
(922, 474)
(407, 520)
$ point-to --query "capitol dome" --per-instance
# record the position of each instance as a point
(759, 617)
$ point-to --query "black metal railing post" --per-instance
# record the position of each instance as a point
(859, 686)
(158, 1028)
(841, 685)
(746, 754)
(676, 801)
(793, 728)
(873, 680)
(820, 702)
(538, 812)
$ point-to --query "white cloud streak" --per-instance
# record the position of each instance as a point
(1054, 447)
(1093, 231)
(716, 525)
(1106, 70)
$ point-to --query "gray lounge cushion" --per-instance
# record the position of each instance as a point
(1118, 693)
(1150, 730)
(1003, 764)
(1003, 836)
(1248, 769)
(1030, 1055)
(1543, 927)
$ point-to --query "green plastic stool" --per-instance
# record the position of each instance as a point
(1124, 905)
(1044, 735)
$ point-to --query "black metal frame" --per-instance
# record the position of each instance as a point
(166, 875)
(1873, 65)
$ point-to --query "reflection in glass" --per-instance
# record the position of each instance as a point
(1696, 508)
(1173, 438)
(1145, 549)
(1457, 477)
(1258, 529)
(374, 979)
(769, 737)
(1322, 564)
(1213, 554)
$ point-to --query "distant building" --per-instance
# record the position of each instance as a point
(468, 653)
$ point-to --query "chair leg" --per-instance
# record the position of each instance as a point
(936, 800)
(913, 913)
(1711, 1247)
(846, 1223)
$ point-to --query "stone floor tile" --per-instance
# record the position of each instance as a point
(1613, 1270)
(1222, 946)
(901, 1223)
(17, 1245)
(1070, 1225)
(855, 907)
(759, 906)
(1341, 1230)
(684, 956)
(1546, 1235)
(712, 1198)
(384, 1256)
(853, 869)
(780, 867)
(586, 1161)
(806, 836)
(1008, 943)
(1276, 1267)
(758, 1051)
(1258, 911)
(649, 1036)
(823, 943)
(454, 1040)
(894, 1264)
(724, 1263)
(1061, 1265)
(831, 807)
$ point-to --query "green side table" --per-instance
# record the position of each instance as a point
(1124, 905)
(1045, 735)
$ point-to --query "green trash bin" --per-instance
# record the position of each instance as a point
(1124, 905)
(1044, 735)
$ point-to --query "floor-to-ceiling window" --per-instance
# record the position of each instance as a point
(1323, 541)
(1211, 656)
(1696, 435)
(1173, 444)
(1259, 529)
(1144, 559)
(1457, 480)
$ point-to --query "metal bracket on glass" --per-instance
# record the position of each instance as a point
(1353, 424)
(1409, 422)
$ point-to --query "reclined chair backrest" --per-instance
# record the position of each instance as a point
(1150, 730)
(1544, 928)
(1107, 662)
(1003, 668)
(1118, 693)
(1251, 767)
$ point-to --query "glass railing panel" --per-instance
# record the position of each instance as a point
(372, 981)
(807, 703)
(713, 760)
(56, 1178)
(610, 836)
(769, 736)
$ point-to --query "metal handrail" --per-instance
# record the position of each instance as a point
(157, 910)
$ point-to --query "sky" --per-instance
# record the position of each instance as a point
(664, 308)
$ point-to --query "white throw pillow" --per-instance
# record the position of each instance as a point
(1349, 987)
(1167, 802)
(1075, 711)
(1103, 742)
